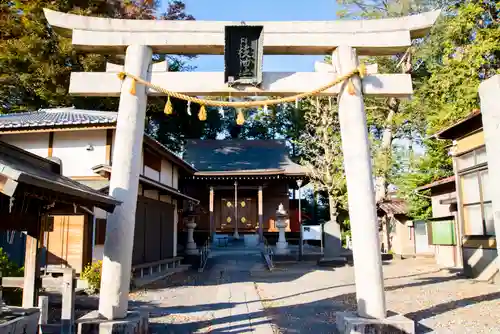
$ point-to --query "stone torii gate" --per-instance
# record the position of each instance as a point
(138, 39)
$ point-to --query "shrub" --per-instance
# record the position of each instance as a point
(7, 267)
(10, 269)
(92, 274)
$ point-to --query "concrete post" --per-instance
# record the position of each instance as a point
(361, 196)
(301, 236)
(124, 184)
(212, 218)
(489, 90)
(261, 214)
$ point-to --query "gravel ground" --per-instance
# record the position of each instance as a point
(438, 300)
(236, 296)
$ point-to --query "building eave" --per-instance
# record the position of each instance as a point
(164, 151)
(106, 170)
(471, 123)
(440, 182)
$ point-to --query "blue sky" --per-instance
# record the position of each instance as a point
(261, 10)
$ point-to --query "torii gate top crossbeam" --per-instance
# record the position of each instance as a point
(369, 37)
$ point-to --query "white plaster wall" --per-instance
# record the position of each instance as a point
(153, 194)
(71, 148)
(166, 172)
(100, 213)
(98, 253)
(36, 143)
(176, 178)
(176, 222)
(441, 210)
(445, 255)
(142, 161)
(151, 173)
(166, 198)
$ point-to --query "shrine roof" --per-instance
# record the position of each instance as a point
(56, 117)
(241, 157)
(23, 167)
(394, 206)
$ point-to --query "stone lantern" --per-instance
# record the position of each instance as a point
(281, 216)
(189, 219)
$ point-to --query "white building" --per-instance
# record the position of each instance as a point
(84, 141)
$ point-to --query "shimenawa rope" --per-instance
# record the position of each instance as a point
(361, 71)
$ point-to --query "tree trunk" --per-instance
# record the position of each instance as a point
(386, 152)
(387, 226)
(333, 208)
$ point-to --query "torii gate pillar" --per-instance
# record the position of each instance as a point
(362, 211)
(124, 184)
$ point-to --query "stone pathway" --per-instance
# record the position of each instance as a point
(224, 299)
(238, 295)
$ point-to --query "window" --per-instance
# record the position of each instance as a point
(476, 197)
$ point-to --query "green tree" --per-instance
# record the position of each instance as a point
(321, 149)
(387, 118)
(35, 62)
(462, 50)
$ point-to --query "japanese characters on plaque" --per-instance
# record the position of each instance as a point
(246, 58)
(243, 54)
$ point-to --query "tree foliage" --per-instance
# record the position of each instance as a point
(447, 67)
(36, 62)
(462, 50)
(321, 148)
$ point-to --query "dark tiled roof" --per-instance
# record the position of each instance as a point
(56, 117)
(394, 206)
(230, 156)
(25, 167)
(68, 117)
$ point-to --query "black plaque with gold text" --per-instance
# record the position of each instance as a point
(243, 54)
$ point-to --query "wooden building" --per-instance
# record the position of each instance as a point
(476, 230)
(32, 190)
(84, 141)
(240, 183)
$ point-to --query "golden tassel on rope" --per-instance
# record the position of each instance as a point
(350, 88)
(168, 107)
(240, 119)
(132, 87)
(202, 115)
(362, 70)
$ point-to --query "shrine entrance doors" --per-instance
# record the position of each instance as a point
(245, 215)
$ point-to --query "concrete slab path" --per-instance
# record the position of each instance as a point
(223, 299)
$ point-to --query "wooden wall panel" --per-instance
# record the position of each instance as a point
(138, 250)
(152, 233)
(65, 244)
(167, 231)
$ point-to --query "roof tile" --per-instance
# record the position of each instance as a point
(241, 155)
(56, 117)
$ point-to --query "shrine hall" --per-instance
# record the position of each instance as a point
(241, 183)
